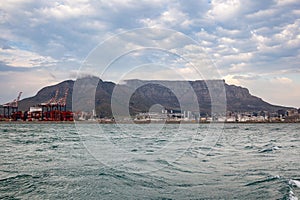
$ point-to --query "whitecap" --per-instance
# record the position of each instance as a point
(269, 149)
(276, 148)
(294, 183)
(292, 196)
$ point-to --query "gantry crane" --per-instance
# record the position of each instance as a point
(53, 105)
(49, 105)
(11, 107)
(62, 102)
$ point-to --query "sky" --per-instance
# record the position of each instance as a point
(251, 43)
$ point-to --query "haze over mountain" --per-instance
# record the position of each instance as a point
(149, 93)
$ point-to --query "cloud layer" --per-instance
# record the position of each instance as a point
(255, 44)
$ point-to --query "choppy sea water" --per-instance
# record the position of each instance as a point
(56, 161)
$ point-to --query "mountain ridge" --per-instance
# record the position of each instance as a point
(148, 93)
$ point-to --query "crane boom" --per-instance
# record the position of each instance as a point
(19, 96)
(14, 103)
(53, 99)
(63, 101)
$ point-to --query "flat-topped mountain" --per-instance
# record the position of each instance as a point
(144, 94)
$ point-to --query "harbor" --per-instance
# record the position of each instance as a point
(55, 109)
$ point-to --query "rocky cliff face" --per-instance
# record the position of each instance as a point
(144, 94)
(239, 99)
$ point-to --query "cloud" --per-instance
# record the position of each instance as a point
(170, 18)
(67, 10)
(242, 38)
(22, 58)
(281, 80)
(31, 82)
(224, 10)
(237, 67)
(287, 2)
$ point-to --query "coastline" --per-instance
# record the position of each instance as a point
(154, 122)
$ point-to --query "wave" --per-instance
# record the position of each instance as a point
(292, 196)
(268, 179)
(19, 176)
(269, 149)
(18, 186)
(294, 183)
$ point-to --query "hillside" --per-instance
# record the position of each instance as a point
(153, 92)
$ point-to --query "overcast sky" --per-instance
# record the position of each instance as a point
(252, 43)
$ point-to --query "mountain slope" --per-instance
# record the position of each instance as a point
(148, 93)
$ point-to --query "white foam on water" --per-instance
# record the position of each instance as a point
(294, 183)
(270, 149)
(275, 148)
(292, 196)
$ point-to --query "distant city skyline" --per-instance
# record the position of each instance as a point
(253, 44)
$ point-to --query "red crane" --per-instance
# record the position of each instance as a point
(62, 102)
(53, 99)
(15, 102)
(49, 105)
(55, 109)
(11, 107)
(65, 115)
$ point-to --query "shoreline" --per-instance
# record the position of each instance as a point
(155, 122)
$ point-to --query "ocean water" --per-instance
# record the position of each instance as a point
(230, 161)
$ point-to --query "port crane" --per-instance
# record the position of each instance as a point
(52, 101)
(53, 105)
(62, 102)
(11, 107)
(53, 109)
(49, 105)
